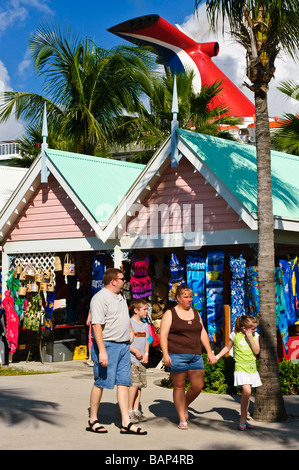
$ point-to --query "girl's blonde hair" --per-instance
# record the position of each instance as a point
(177, 290)
(244, 321)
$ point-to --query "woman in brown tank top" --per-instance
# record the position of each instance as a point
(182, 335)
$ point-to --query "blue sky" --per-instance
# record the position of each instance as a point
(92, 18)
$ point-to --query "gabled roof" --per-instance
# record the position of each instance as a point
(96, 185)
(230, 167)
(99, 183)
(235, 165)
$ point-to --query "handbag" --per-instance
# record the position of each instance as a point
(50, 285)
(57, 264)
(68, 266)
(153, 333)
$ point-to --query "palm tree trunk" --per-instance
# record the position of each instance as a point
(269, 404)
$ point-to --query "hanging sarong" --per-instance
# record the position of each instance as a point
(196, 280)
(295, 284)
(214, 292)
(238, 269)
(12, 321)
(252, 303)
(281, 308)
(141, 284)
(98, 269)
(49, 306)
(288, 291)
(176, 272)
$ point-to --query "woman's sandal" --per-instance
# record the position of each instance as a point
(128, 430)
(98, 430)
(183, 425)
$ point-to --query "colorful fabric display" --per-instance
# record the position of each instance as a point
(49, 306)
(238, 269)
(295, 284)
(141, 284)
(281, 308)
(286, 268)
(176, 273)
(196, 280)
(252, 304)
(214, 292)
(98, 269)
(12, 321)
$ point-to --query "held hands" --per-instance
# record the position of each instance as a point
(212, 359)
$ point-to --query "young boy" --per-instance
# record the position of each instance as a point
(139, 349)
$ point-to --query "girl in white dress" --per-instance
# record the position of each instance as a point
(245, 341)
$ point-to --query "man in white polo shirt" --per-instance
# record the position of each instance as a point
(110, 351)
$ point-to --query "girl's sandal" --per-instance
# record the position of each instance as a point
(249, 426)
(183, 425)
(242, 426)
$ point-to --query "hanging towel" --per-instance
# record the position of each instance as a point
(196, 280)
(281, 308)
(176, 273)
(286, 268)
(214, 291)
(238, 269)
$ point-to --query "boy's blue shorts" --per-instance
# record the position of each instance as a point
(118, 371)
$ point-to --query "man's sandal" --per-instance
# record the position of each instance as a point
(128, 430)
(98, 430)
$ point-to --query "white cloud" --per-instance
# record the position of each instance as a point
(231, 60)
(12, 128)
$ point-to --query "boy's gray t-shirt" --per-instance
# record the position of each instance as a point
(111, 311)
(140, 338)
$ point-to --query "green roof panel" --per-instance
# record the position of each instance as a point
(99, 183)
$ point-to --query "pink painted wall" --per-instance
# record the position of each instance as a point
(180, 186)
(49, 214)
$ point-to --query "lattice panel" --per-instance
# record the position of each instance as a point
(43, 261)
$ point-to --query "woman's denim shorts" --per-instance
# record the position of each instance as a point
(185, 362)
(118, 371)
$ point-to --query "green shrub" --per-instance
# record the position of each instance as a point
(219, 378)
(289, 377)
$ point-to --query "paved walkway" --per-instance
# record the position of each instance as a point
(50, 412)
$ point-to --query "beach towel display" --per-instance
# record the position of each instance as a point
(176, 273)
(98, 269)
(214, 293)
(238, 269)
(141, 284)
(295, 284)
(286, 267)
(281, 308)
(12, 321)
(252, 304)
(196, 280)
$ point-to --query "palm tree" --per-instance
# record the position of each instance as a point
(195, 110)
(88, 91)
(286, 138)
(262, 28)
